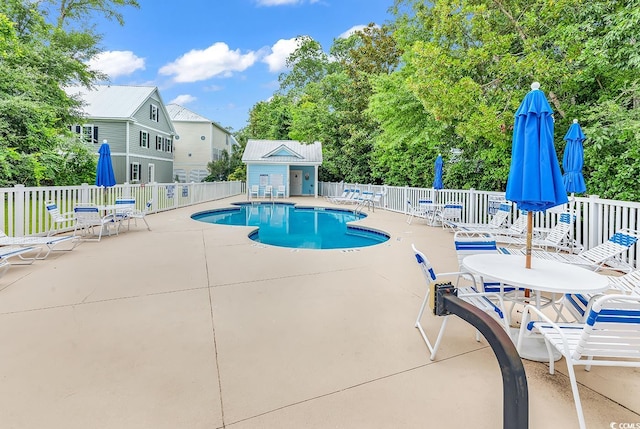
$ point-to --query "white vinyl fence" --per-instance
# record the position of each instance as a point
(596, 219)
(24, 213)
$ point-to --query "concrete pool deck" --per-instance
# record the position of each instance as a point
(193, 325)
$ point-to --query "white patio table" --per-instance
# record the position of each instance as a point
(544, 275)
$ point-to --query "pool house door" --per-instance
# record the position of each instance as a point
(295, 182)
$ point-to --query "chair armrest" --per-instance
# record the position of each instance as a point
(526, 321)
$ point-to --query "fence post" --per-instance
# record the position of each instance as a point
(84, 193)
(155, 203)
(472, 207)
(19, 220)
(595, 227)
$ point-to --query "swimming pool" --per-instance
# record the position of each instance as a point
(286, 225)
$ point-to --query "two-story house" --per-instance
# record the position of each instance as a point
(198, 141)
(135, 123)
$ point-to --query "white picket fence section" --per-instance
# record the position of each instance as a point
(597, 219)
(24, 213)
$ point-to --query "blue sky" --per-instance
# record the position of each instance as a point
(218, 58)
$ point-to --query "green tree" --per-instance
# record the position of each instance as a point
(39, 55)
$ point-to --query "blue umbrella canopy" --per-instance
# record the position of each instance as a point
(573, 159)
(437, 181)
(104, 173)
(535, 181)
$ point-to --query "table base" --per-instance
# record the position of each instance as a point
(533, 347)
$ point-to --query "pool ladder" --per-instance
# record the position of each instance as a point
(365, 201)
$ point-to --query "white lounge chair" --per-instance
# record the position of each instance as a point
(471, 294)
(557, 238)
(7, 252)
(49, 243)
(606, 255)
(497, 221)
(610, 336)
(281, 192)
(353, 196)
(4, 267)
(578, 304)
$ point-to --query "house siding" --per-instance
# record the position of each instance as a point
(254, 171)
(120, 113)
(204, 141)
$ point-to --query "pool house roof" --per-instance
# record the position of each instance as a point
(282, 152)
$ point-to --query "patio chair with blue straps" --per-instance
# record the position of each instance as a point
(609, 336)
(450, 213)
(424, 209)
(88, 218)
(489, 302)
(58, 218)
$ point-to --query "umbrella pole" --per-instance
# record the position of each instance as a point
(529, 239)
(527, 263)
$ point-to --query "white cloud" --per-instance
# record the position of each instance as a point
(352, 30)
(116, 63)
(216, 60)
(280, 51)
(183, 99)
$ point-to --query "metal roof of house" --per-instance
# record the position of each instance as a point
(179, 113)
(282, 152)
(111, 101)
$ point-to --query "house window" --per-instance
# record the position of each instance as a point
(169, 145)
(158, 143)
(151, 173)
(88, 132)
(154, 113)
(134, 170)
(144, 139)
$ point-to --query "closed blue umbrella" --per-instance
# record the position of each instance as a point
(104, 173)
(535, 181)
(437, 180)
(573, 159)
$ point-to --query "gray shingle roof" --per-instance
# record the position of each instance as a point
(111, 101)
(273, 152)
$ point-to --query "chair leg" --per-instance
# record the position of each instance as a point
(576, 395)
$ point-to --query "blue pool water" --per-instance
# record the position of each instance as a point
(285, 225)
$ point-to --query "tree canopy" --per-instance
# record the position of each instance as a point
(446, 78)
(43, 48)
